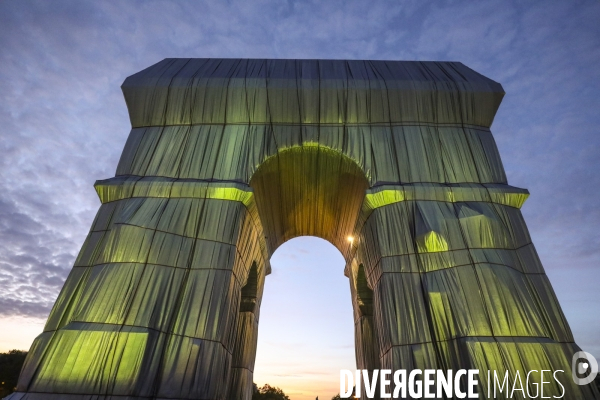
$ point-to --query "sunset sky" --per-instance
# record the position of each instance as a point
(63, 124)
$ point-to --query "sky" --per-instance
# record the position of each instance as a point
(63, 124)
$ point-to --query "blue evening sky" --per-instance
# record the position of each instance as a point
(63, 124)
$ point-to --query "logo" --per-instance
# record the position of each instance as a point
(458, 384)
(584, 368)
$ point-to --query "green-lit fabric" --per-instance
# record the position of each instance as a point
(392, 162)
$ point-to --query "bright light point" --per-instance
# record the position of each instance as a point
(350, 239)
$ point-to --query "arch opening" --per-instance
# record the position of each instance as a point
(306, 332)
(364, 294)
(249, 292)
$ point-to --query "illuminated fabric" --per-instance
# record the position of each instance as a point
(229, 158)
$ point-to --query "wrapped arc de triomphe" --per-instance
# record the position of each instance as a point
(392, 162)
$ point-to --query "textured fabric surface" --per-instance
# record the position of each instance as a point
(392, 162)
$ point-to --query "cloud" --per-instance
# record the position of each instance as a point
(34, 262)
(63, 121)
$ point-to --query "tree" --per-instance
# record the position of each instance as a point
(268, 392)
(10, 368)
(338, 397)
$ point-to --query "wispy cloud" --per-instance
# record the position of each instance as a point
(63, 121)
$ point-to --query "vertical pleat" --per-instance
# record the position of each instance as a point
(229, 158)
